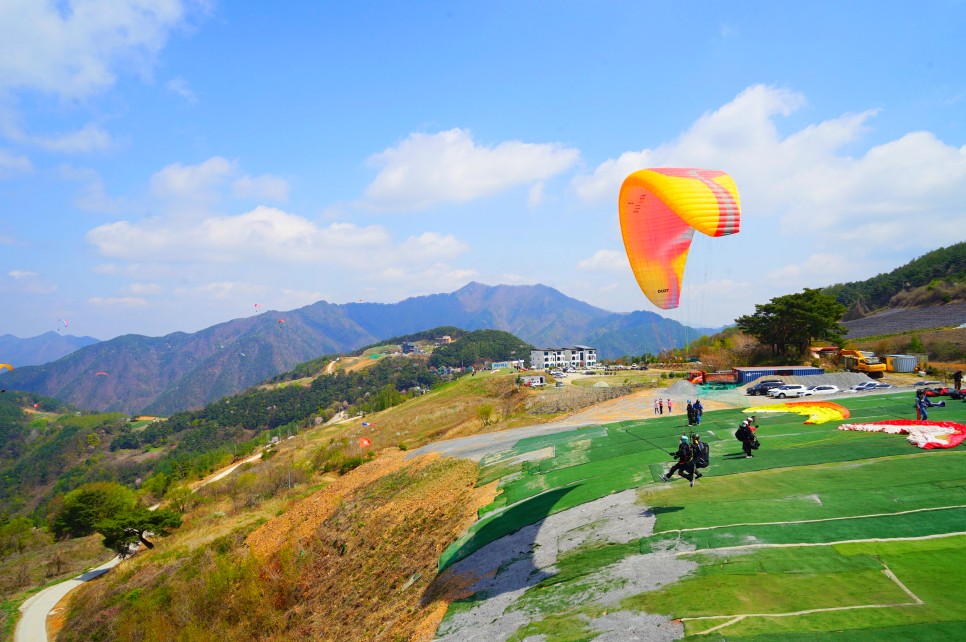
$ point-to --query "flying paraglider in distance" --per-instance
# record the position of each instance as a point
(281, 320)
(64, 321)
(659, 211)
(6, 365)
(101, 374)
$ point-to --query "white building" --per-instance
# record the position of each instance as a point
(573, 357)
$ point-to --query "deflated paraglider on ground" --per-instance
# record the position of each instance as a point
(925, 434)
(659, 211)
(818, 412)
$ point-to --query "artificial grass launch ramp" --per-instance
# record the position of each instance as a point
(823, 534)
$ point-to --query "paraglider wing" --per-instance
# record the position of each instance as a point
(6, 365)
(659, 211)
(101, 374)
(364, 442)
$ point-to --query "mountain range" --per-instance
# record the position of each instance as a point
(43, 348)
(179, 371)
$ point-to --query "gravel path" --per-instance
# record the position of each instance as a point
(507, 568)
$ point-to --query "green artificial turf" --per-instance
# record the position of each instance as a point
(831, 485)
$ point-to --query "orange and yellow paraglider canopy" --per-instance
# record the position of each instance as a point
(659, 211)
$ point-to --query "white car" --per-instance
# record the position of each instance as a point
(787, 390)
(824, 389)
(862, 387)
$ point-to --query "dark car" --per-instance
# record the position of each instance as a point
(762, 387)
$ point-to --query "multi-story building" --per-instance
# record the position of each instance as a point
(573, 357)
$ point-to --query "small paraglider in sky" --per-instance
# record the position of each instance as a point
(101, 374)
(281, 320)
(659, 211)
(6, 365)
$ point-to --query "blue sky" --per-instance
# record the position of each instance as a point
(168, 165)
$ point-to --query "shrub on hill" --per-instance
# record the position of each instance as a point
(478, 347)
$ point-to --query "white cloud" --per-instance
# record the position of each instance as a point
(180, 87)
(26, 282)
(267, 233)
(76, 48)
(449, 167)
(93, 196)
(207, 183)
(89, 138)
(143, 289)
(433, 245)
(117, 301)
(536, 195)
(266, 187)
(807, 180)
(11, 164)
(610, 260)
(200, 182)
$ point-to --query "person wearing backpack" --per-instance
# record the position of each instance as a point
(746, 435)
(684, 464)
(702, 454)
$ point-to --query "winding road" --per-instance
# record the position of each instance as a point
(32, 626)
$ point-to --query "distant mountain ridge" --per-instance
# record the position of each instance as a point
(179, 371)
(43, 348)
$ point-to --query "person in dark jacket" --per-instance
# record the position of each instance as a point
(685, 465)
(690, 411)
(746, 435)
(698, 411)
(958, 380)
(702, 454)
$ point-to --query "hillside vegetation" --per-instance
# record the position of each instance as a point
(933, 278)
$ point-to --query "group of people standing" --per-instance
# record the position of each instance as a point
(659, 406)
(694, 410)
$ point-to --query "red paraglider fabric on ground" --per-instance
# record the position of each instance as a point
(924, 434)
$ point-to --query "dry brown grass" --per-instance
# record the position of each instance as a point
(352, 561)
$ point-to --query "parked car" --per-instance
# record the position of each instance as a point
(787, 390)
(589, 372)
(762, 387)
(879, 385)
(824, 389)
(864, 386)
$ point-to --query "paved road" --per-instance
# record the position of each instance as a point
(638, 405)
(32, 626)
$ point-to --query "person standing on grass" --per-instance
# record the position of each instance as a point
(689, 409)
(668, 405)
(702, 454)
(685, 464)
(655, 406)
(746, 435)
(958, 380)
(698, 411)
(660, 406)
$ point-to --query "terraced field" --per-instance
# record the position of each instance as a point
(903, 320)
(824, 534)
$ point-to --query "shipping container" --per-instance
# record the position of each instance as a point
(749, 374)
(901, 362)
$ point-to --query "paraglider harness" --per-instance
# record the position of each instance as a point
(745, 433)
(702, 453)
